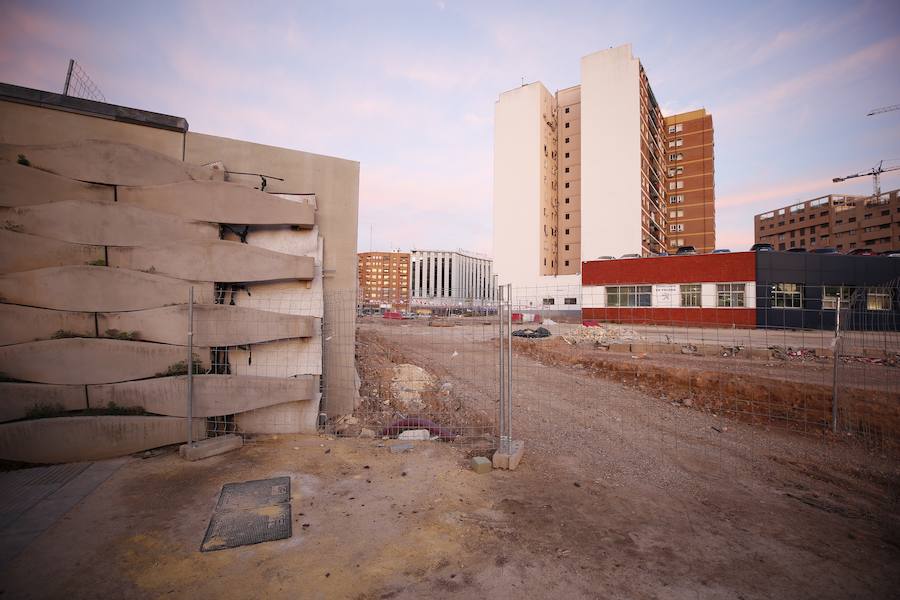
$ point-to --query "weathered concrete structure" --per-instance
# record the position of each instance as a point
(110, 215)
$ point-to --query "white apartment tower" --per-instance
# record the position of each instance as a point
(578, 174)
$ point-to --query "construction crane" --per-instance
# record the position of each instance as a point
(875, 172)
(883, 109)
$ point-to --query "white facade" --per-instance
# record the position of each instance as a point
(450, 278)
(668, 295)
(610, 154)
(610, 173)
(521, 189)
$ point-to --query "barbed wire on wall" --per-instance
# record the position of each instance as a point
(79, 84)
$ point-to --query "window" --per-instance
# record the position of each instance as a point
(567, 155)
(787, 295)
(567, 200)
(567, 169)
(567, 216)
(676, 128)
(567, 232)
(566, 246)
(831, 294)
(628, 295)
(690, 294)
(676, 171)
(730, 295)
(878, 299)
(548, 301)
(567, 110)
(677, 199)
(571, 300)
(676, 185)
(567, 184)
(676, 143)
(567, 263)
(567, 140)
(567, 125)
(676, 227)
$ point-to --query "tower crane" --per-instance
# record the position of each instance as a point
(875, 172)
(883, 109)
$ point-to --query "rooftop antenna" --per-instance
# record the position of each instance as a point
(523, 80)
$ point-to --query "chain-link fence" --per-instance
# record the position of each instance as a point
(587, 362)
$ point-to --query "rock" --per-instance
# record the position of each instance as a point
(421, 435)
(481, 465)
(446, 387)
(687, 402)
(367, 433)
(409, 382)
(398, 448)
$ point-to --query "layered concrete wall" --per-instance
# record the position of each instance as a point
(107, 226)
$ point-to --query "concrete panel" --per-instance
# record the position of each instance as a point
(103, 161)
(219, 260)
(24, 252)
(24, 186)
(283, 358)
(336, 185)
(104, 223)
(214, 395)
(19, 324)
(220, 202)
(76, 361)
(292, 417)
(214, 325)
(73, 439)
(17, 399)
(87, 288)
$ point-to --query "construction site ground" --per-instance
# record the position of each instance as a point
(625, 496)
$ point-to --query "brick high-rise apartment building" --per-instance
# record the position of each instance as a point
(582, 173)
(840, 221)
(690, 181)
(384, 279)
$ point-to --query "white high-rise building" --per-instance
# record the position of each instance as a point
(450, 278)
(578, 174)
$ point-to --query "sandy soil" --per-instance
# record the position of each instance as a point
(620, 495)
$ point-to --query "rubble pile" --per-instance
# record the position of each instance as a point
(602, 335)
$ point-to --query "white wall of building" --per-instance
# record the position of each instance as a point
(610, 154)
(450, 278)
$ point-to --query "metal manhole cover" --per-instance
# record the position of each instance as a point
(230, 529)
(250, 494)
(249, 513)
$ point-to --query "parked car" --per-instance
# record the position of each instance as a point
(827, 250)
(893, 253)
(630, 256)
(762, 248)
(685, 250)
(660, 253)
(797, 249)
(606, 258)
(861, 252)
(721, 251)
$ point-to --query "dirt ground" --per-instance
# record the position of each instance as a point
(620, 495)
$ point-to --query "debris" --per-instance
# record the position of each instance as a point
(689, 349)
(540, 332)
(422, 435)
(600, 334)
(716, 429)
(367, 433)
(549, 322)
(455, 354)
(409, 382)
(481, 465)
(418, 423)
(398, 448)
(577, 484)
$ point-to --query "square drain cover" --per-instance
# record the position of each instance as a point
(250, 513)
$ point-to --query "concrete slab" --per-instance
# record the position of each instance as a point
(210, 447)
(24, 186)
(481, 465)
(510, 460)
(20, 324)
(17, 400)
(24, 252)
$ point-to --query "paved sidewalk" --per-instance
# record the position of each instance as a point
(32, 500)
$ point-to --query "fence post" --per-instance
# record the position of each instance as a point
(837, 357)
(190, 371)
(501, 375)
(509, 356)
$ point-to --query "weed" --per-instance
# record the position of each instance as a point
(98, 263)
(22, 160)
(181, 368)
(45, 411)
(122, 335)
(65, 333)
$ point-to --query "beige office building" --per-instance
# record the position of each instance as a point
(582, 173)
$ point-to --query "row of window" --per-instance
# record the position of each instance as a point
(733, 295)
(552, 301)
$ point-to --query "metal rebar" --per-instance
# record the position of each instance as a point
(68, 77)
(190, 371)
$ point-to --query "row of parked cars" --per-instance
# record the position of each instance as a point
(688, 250)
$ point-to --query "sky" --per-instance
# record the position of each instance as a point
(408, 88)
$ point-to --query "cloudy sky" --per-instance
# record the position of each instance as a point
(408, 88)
